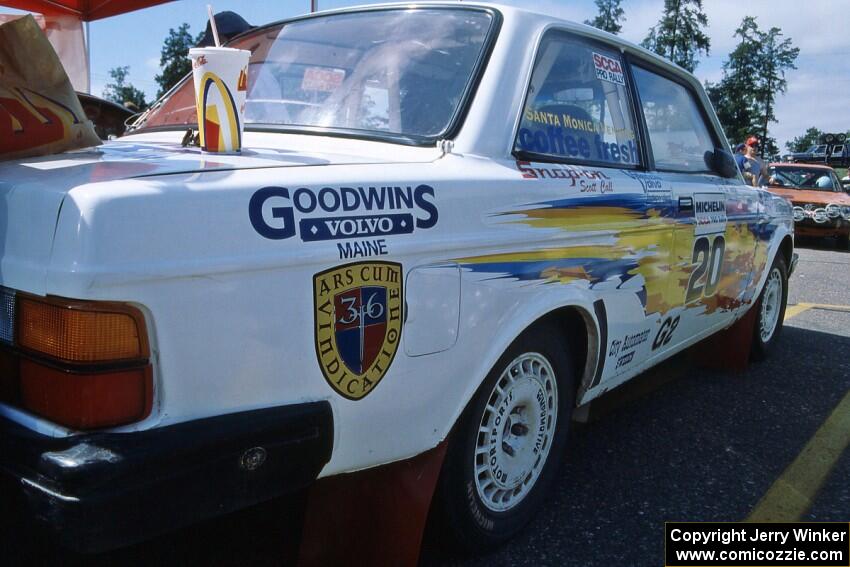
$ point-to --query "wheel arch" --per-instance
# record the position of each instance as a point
(778, 245)
(582, 330)
(786, 248)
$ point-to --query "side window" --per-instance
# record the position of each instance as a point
(577, 107)
(678, 134)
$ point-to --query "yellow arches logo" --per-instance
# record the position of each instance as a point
(29, 119)
(220, 131)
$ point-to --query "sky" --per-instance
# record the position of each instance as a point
(818, 91)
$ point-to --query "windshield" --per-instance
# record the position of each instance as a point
(392, 73)
(804, 178)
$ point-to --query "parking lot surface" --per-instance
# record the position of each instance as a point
(680, 443)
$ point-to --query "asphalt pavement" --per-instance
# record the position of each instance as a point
(679, 443)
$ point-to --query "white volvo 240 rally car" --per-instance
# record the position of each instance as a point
(448, 221)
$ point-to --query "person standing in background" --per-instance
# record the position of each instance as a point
(753, 167)
(739, 156)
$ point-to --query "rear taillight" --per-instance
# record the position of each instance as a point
(79, 332)
(82, 364)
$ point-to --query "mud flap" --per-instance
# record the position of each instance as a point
(728, 349)
(372, 517)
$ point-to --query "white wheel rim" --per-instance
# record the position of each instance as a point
(771, 303)
(515, 433)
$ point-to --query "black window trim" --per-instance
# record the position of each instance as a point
(566, 160)
(649, 66)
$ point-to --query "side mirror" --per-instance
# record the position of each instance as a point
(722, 163)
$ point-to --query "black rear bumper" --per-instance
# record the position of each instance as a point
(104, 490)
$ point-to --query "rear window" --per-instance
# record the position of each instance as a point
(397, 73)
(577, 108)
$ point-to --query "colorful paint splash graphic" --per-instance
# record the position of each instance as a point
(644, 249)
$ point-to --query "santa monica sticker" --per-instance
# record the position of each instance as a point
(358, 314)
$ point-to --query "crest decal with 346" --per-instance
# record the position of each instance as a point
(358, 318)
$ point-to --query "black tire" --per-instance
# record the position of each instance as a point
(763, 342)
(469, 523)
(843, 241)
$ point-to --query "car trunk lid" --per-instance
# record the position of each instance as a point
(33, 190)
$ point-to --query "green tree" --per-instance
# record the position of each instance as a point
(679, 35)
(753, 76)
(609, 17)
(777, 56)
(118, 90)
(804, 142)
(174, 58)
(733, 98)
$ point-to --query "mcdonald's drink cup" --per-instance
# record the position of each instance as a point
(221, 82)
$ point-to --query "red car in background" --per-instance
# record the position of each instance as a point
(821, 205)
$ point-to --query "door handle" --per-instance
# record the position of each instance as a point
(686, 204)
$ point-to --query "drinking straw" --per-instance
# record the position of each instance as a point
(212, 25)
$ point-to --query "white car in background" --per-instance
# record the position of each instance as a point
(449, 221)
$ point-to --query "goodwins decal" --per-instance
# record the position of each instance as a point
(358, 317)
(337, 213)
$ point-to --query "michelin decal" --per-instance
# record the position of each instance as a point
(710, 212)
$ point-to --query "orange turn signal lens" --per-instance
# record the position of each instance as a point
(80, 332)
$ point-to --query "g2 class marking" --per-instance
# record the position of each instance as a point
(665, 332)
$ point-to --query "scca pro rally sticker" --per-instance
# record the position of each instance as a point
(608, 69)
(358, 315)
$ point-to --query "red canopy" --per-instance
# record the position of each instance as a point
(85, 10)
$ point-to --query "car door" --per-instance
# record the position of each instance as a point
(836, 156)
(577, 140)
(715, 218)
